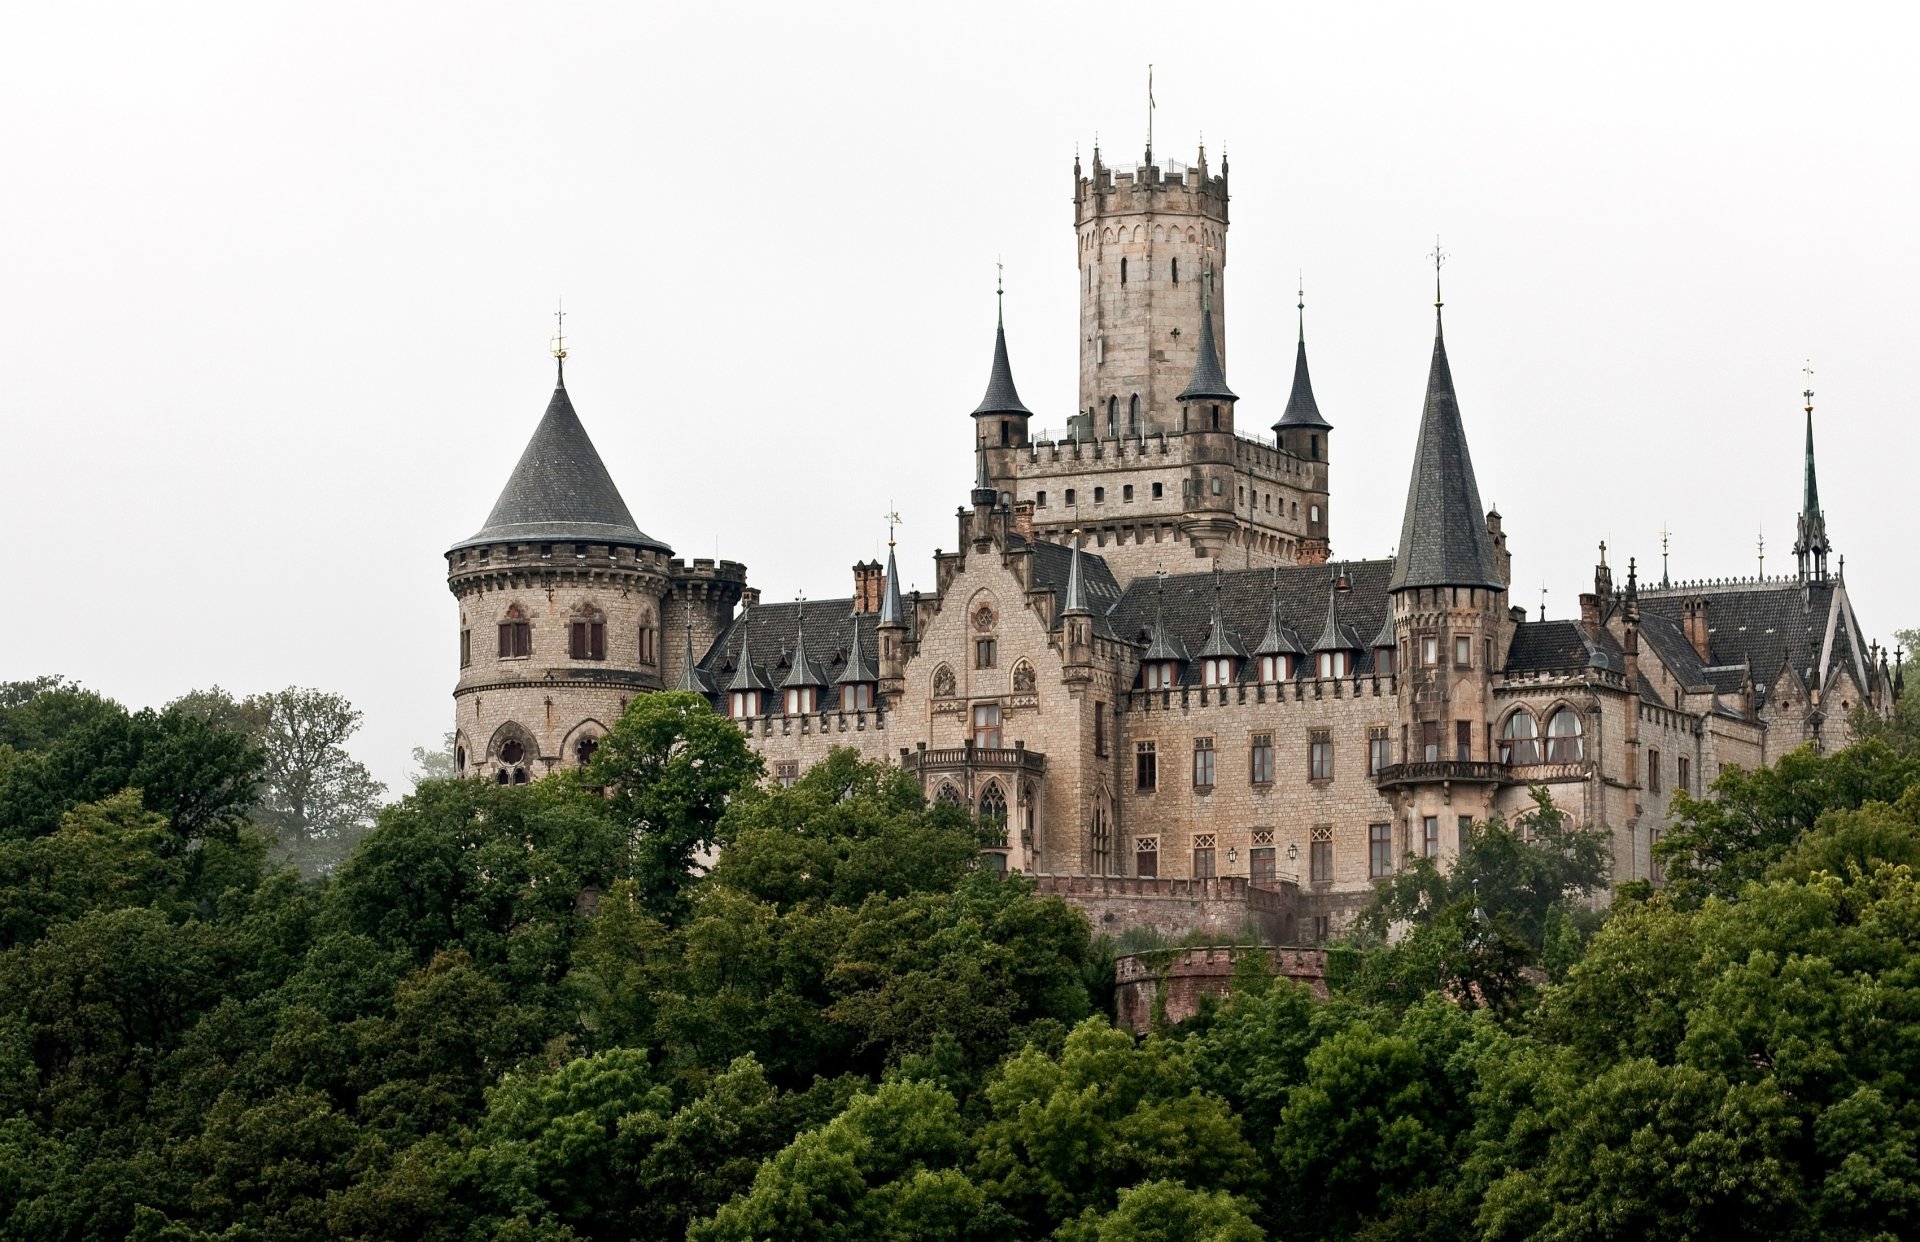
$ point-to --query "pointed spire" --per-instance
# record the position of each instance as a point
(892, 610)
(692, 679)
(1219, 641)
(1160, 646)
(560, 489)
(800, 672)
(859, 668)
(1279, 638)
(1208, 382)
(1076, 599)
(1335, 635)
(745, 675)
(1002, 397)
(1443, 534)
(1302, 410)
(1811, 548)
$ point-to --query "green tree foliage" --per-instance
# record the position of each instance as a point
(529, 1013)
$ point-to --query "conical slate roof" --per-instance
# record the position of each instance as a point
(1208, 381)
(859, 668)
(1076, 594)
(1443, 535)
(1002, 397)
(1336, 635)
(1279, 638)
(892, 610)
(561, 490)
(1161, 645)
(745, 675)
(691, 678)
(800, 670)
(1302, 410)
(1219, 642)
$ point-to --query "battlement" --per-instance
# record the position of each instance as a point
(1164, 185)
(1240, 694)
(474, 565)
(705, 567)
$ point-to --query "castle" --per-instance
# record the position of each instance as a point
(1270, 720)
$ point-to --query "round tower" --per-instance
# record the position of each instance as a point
(1145, 236)
(561, 609)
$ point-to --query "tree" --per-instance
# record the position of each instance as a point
(1166, 1211)
(671, 768)
(438, 764)
(316, 798)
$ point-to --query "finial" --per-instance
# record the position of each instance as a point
(1543, 601)
(1808, 394)
(1603, 552)
(1000, 291)
(1149, 114)
(560, 338)
(1665, 535)
(1439, 257)
(892, 520)
(1762, 543)
(1303, 304)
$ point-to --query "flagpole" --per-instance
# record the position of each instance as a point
(1149, 114)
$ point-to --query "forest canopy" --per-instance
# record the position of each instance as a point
(526, 1012)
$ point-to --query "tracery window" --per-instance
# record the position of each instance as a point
(993, 804)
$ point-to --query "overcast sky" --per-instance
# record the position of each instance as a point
(277, 285)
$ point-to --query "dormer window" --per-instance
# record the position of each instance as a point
(1160, 674)
(857, 696)
(1217, 671)
(1335, 663)
(802, 700)
(1383, 660)
(1277, 668)
(742, 704)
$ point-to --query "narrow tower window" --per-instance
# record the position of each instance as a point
(1113, 416)
(1133, 415)
(1123, 271)
(1173, 266)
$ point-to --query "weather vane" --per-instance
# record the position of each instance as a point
(1439, 257)
(560, 331)
(1808, 394)
(892, 520)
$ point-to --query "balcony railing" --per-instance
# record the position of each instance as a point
(949, 758)
(1436, 771)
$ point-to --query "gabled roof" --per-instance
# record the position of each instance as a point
(1443, 534)
(1209, 381)
(560, 489)
(1051, 568)
(1161, 646)
(1763, 625)
(1562, 646)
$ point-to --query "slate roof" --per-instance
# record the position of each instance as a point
(1763, 625)
(1248, 598)
(1562, 646)
(892, 610)
(1208, 379)
(774, 632)
(1053, 567)
(1443, 534)
(1002, 397)
(1302, 410)
(561, 490)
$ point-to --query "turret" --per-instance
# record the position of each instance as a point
(561, 597)
(1076, 618)
(1301, 431)
(891, 633)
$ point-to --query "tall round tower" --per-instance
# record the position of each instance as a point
(560, 599)
(1145, 239)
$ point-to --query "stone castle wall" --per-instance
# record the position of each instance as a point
(1175, 982)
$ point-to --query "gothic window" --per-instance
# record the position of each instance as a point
(1100, 730)
(1430, 741)
(584, 748)
(949, 796)
(1173, 267)
(1379, 750)
(1133, 415)
(466, 647)
(1123, 271)
(516, 635)
(512, 752)
(943, 684)
(993, 805)
(1683, 774)
(1100, 834)
(1463, 741)
(1113, 416)
(1563, 736)
(649, 640)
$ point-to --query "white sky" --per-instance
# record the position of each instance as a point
(276, 285)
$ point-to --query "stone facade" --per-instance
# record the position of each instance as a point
(1139, 658)
(1168, 986)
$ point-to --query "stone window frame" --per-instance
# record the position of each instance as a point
(1204, 768)
(1320, 854)
(1205, 852)
(1528, 745)
(1144, 848)
(587, 634)
(1653, 769)
(1379, 748)
(786, 773)
(1260, 759)
(1320, 755)
(1379, 851)
(516, 633)
(1146, 766)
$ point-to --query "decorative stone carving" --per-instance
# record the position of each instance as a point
(943, 685)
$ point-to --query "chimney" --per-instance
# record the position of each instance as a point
(1589, 609)
(869, 581)
(1694, 622)
(1022, 523)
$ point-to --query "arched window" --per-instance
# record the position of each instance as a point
(993, 804)
(584, 748)
(512, 752)
(649, 640)
(1100, 837)
(1315, 441)
(949, 796)
(1113, 416)
(1173, 265)
(1563, 736)
(1520, 739)
(1133, 415)
(1123, 271)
